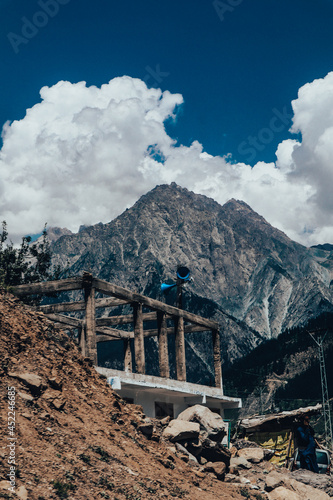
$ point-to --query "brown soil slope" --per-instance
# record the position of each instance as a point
(75, 438)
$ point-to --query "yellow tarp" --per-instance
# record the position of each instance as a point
(277, 441)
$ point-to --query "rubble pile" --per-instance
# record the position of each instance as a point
(75, 438)
(196, 436)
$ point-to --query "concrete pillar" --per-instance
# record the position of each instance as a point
(139, 348)
(163, 354)
(180, 349)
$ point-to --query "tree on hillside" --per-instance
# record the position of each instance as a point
(27, 264)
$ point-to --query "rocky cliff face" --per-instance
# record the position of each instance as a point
(247, 274)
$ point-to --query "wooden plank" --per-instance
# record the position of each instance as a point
(286, 464)
(62, 307)
(47, 287)
(217, 358)
(163, 354)
(124, 319)
(65, 320)
(171, 331)
(80, 305)
(122, 293)
(113, 333)
(110, 302)
(139, 348)
(121, 334)
(61, 326)
(180, 349)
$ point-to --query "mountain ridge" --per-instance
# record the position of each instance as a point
(247, 268)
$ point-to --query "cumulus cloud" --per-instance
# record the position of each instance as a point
(84, 154)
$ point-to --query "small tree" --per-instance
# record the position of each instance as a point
(27, 264)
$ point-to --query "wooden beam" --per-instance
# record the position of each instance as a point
(122, 334)
(217, 358)
(80, 305)
(124, 319)
(110, 302)
(47, 287)
(180, 349)
(139, 348)
(113, 333)
(113, 290)
(65, 320)
(163, 354)
(62, 307)
(122, 293)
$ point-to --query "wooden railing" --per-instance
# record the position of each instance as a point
(92, 330)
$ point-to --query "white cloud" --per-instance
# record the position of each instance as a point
(84, 154)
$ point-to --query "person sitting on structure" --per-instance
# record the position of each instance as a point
(307, 445)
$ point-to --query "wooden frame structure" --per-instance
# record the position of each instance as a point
(93, 330)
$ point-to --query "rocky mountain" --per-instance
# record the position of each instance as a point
(248, 275)
(54, 233)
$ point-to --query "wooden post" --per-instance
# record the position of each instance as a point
(82, 339)
(180, 349)
(139, 348)
(128, 367)
(217, 359)
(90, 322)
(163, 354)
(286, 464)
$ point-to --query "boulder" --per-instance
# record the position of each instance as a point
(277, 484)
(273, 480)
(321, 481)
(34, 382)
(239, 463)
(179, 430)
(211, 424)
(54, 399)
(22, 493)
(307, 491)
(194, 447)
(253, 455)
(4, 485)
(55, 383)
(147, 428)
(218, 468)
(25, 396)
(215, 452)
(190, 457)
(282, 493)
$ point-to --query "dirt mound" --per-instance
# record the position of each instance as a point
(73, 436)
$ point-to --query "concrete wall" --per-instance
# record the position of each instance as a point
(147, 400)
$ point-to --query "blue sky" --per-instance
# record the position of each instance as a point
(237, 64)
(231, 73)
